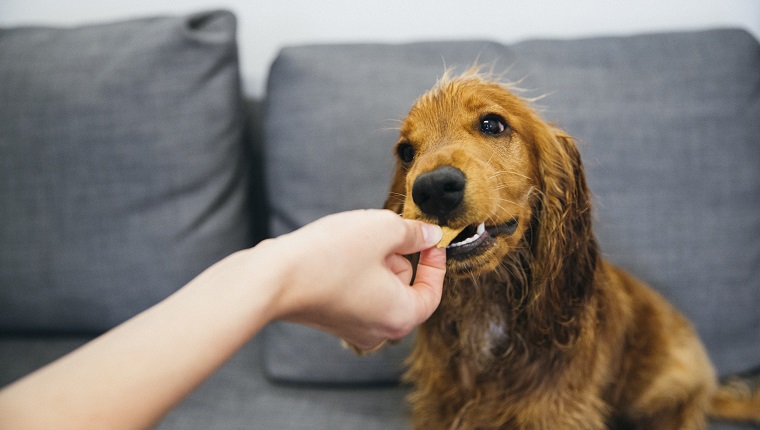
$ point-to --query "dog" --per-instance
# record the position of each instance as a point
(535, 329)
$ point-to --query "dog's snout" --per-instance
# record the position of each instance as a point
(439, 192)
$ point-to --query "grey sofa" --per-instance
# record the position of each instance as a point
(130, 161)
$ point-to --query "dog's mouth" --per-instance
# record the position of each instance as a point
(477, 238)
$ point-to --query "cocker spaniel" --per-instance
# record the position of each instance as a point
(535, 329)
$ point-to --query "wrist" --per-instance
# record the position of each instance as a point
(272, 269)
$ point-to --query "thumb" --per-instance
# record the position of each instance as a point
(418, 236)
(428, 283)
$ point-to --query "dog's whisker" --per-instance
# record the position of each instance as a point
(539, 98)
(489, 161)
(397, 121)
(502, 208)
(509, 172)
(496, 201)
(382, 129)
(503, 187)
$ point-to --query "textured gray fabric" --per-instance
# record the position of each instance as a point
(289, 348)
(121, 172)
(668, 126)
(239, 396)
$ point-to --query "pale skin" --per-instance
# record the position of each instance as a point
(344, 274)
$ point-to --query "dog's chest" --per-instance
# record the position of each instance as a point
(480, 355)
(479, 323)
(494, 339)
(483, 339)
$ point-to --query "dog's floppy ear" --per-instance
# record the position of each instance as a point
(397, 193)
(564, 247)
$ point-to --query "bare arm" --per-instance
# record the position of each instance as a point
(343, 274)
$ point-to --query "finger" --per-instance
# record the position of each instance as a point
(401, 267)
(418, 236)
(428, 284)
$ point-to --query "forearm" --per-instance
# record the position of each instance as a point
(344, 274)
(132, 375)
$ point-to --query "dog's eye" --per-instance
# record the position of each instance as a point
(405, 152)
(492, 124)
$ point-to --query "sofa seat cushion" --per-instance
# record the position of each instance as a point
(239, 396)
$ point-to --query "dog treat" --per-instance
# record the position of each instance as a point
(365, 352)
(448, 235)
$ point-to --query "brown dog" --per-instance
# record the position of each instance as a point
(535, 329)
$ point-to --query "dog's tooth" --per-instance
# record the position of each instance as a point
(450, 236)
(470, 239)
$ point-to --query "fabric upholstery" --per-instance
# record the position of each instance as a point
(239, 396)
(121, 166)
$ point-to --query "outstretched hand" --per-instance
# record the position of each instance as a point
(344, 274)
(348, 275)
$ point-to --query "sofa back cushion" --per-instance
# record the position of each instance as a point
(667, 125)
(121, 167)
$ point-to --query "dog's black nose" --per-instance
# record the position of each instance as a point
(439, 192)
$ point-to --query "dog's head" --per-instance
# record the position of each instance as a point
(472, 154)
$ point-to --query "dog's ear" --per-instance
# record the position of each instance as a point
(397, 192)
(564, 247)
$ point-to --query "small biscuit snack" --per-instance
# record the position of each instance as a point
(365, 352)
(448, 235)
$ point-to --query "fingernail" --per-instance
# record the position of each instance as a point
(431, 233)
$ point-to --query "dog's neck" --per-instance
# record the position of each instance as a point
(481, 314)
(500, 314)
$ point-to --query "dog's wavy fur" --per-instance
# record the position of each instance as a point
(538, 331)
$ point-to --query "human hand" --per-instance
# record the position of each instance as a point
(345, 274)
